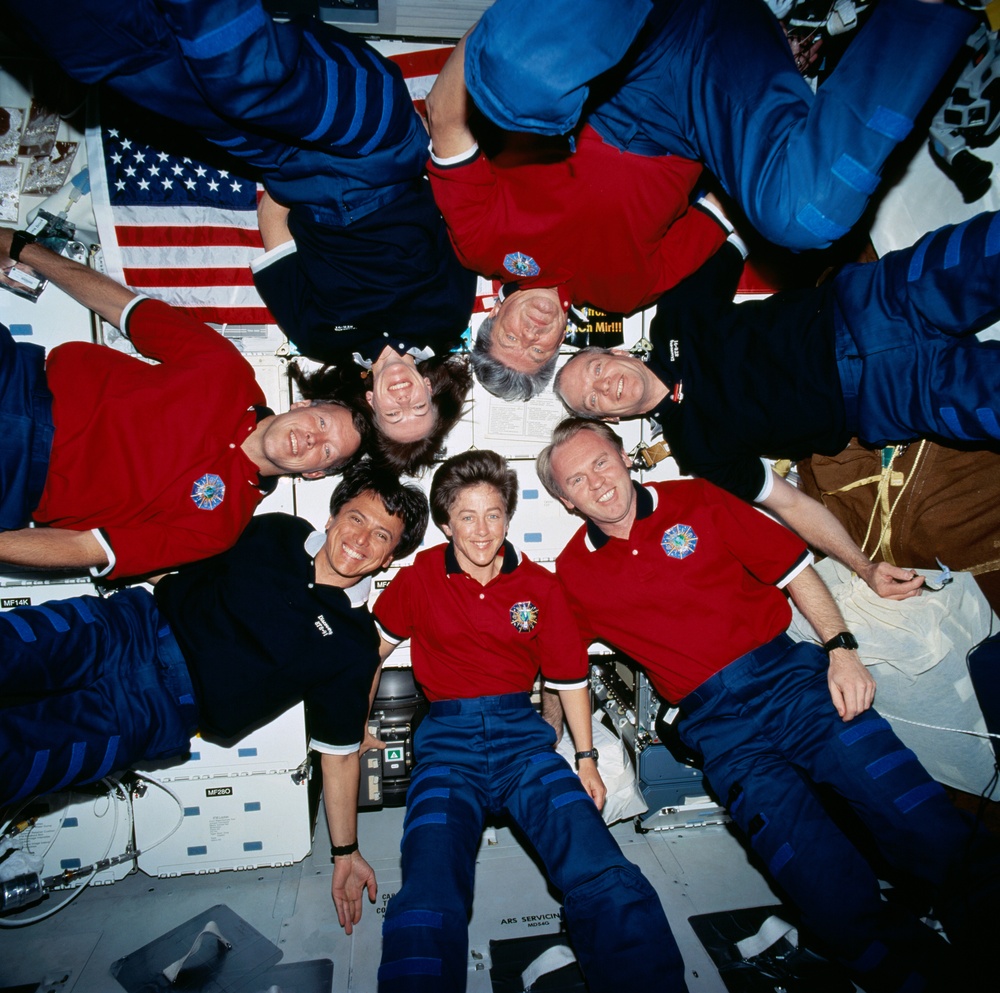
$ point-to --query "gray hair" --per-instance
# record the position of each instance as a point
(498, 379)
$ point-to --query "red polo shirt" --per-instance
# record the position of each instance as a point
(610, 228)
(469, 640)
(140, 450)
(694, 586)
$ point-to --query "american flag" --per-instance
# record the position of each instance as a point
(176, 229)
(184, 231)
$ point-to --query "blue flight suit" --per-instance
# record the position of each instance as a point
(495, 754)
(714, 80)
(326, 121)
(770, 736)
(910, 366)
(102, 683)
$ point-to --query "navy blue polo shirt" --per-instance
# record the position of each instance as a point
(259, 635)
(389, 278)
(747, 380)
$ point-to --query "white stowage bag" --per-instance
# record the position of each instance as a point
(624, 799)
(916, 651)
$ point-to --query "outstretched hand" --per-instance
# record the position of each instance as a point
(352, 875)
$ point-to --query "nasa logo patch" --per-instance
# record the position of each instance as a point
(519, 264)
(524, 615)
(679, 541)
(208, 491)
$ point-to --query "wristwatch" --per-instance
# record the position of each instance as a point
(843, 640)
(19, 240)
(592, 754)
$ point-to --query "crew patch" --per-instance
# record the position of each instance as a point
(519, 264)
(679, 541)
(524, 615)
(208, 491)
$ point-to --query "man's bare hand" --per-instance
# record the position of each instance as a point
(891, 582)
(852, 687)
(592, 782)
(352, 875)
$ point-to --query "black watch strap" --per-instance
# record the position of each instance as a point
(591, 754)
(18, 241)
(843, 640)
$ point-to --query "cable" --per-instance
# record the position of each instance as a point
(113, 790)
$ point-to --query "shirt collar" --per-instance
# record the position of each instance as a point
(511, 559)
(358, 593)
(645, 504)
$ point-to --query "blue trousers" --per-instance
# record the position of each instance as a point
(772, 743)
(89, 686)
(25, 429)
(715, 80)
(909, 363)
(326, 120)
(495, 754)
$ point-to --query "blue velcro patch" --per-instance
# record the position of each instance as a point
(82, 610)
(110, 758)
(57, 622)
(950, 416)
(20, 625)
(781, 858)
(77, 755)
(426, 819)
(817, 223)
(229, 142)
(912, 799)
(571, 797)
(413, 918)
(409, 967)
(988, 419)
(953, 250)
(438, 792)
(253, 846)
(992, 242)
(214, 43)
(916, 268)
(887, 763)
(855, 175)
(432, 771)
(858, 731)
(889, 123)
(551, 777)
(197, 850)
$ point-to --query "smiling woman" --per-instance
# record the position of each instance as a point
(414, 405)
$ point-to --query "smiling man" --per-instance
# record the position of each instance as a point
(691, 583)
(91, 686)
(885, 351)
(137, 468)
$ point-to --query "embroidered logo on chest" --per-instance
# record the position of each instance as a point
(519, 264)
(323, 626)
(679, 541)
(208, 491)
(524, 615)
